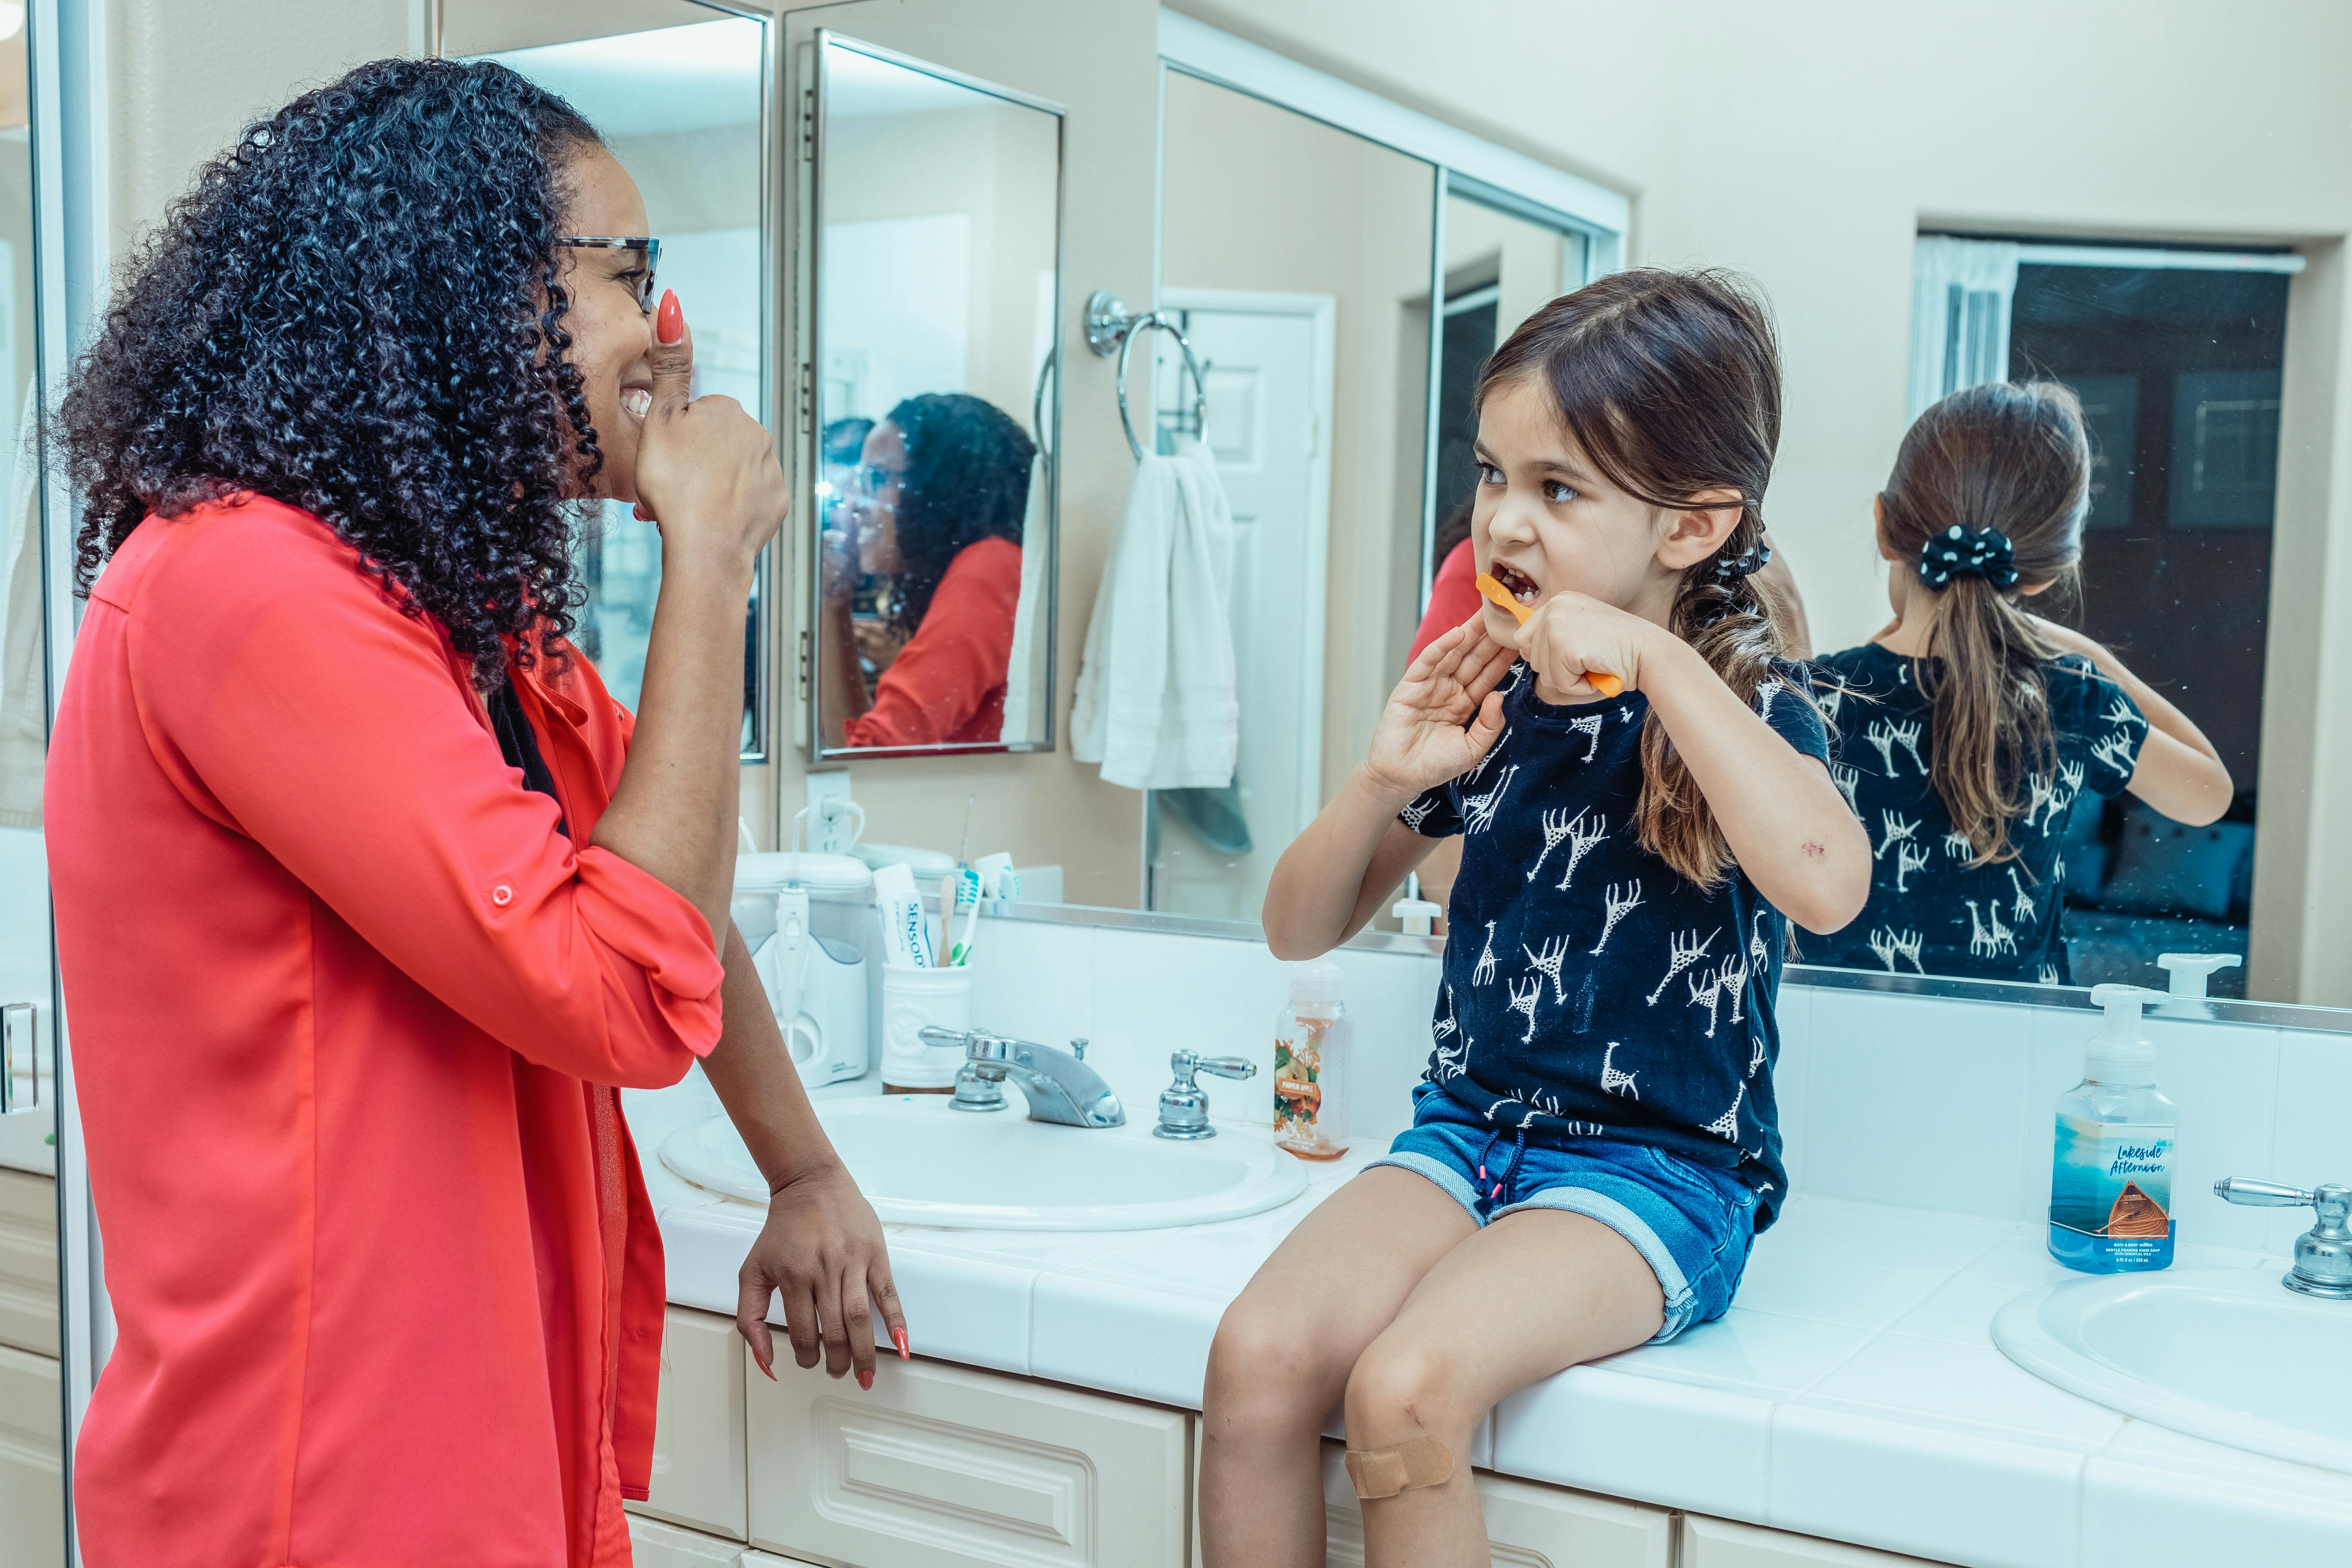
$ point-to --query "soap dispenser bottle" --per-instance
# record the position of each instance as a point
(2110, 1171)
(1311, 1036)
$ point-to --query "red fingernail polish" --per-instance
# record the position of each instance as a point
(769, 1369)
(669, 322)
(899, 1338)
(866, 1380)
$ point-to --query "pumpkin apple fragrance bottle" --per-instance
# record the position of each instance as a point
(1311, 1039)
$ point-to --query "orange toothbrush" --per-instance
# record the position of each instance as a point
(1606, 684)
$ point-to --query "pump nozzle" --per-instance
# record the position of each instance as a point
(2119, 1053)
(2190, 971)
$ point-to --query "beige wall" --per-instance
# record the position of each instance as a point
(1807, 142)
(1259, 199)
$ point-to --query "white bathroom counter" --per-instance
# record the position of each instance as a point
(1852, 1391)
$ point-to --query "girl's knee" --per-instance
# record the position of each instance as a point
(1401, 1390)
(1266, 1365)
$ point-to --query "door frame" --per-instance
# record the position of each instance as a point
(1321, 313)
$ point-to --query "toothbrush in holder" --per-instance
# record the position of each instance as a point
(1600, 680)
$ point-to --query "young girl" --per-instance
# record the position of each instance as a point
(1594, 1144)
(1972, 728)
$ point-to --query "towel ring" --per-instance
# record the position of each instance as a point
(1110, 324)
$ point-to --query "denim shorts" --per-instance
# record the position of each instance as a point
(1692, 1224)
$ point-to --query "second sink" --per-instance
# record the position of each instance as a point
(2227, 1354)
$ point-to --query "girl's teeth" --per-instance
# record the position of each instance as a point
(635, 402)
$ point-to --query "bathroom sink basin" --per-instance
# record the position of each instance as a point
(921, 1163)
(2228, 1354)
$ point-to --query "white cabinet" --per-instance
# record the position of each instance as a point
(698, 1471)
(29, 1262)
(1720, 1543)
(939, 1466)
(1528, 1525)
(32, 1471)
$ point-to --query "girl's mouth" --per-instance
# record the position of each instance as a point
(1517, 583)
(635, 401)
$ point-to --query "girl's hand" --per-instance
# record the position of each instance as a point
(1443, 716)
(706, 470)
(1572, 632)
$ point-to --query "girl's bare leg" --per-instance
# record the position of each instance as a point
(1281, 1357)
(1535, 1291)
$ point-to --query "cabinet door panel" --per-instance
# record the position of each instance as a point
(939, 1465)
(29, 1262)
(1530, 1525)
(1721, 1544)
(32, 1475)
(698, 1475)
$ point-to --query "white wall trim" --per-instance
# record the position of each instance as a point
(2155, 257)
(1199, 49)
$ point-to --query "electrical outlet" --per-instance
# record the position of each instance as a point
(834, 818)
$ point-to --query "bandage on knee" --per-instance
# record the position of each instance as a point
(1384, 1472)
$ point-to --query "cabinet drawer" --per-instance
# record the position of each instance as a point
(698, 1473)
(1529, 1525)
(941, 1466)
(29, 1262)
(32, 1474)
(1720, 1543)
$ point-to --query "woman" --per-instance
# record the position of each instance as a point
(367, 895)
(938, 511)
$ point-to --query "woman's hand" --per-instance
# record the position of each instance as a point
(1444, 715)
(822, 1250)
(839, 571)
(1570, 633)
(706, 470)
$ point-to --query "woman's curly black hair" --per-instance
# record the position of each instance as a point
(356, 311)
(967, 479)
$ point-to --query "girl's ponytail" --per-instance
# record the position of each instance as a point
(1669, 382)
(1987, 499)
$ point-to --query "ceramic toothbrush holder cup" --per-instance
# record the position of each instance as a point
(913, 999)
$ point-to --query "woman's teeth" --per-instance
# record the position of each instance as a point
(635, 401)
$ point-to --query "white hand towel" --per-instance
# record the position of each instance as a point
(1156, 702)
(1025, 673)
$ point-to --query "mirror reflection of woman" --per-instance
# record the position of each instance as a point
(369, 897)
(937, 512)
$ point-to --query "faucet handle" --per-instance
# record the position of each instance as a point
(2262, 1195)
(1223, 1066)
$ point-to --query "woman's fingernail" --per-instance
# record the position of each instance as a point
(769, 1369)
(866, 1380)
(899, 1338)
(669, 322)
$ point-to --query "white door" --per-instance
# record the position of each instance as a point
(1269, 382)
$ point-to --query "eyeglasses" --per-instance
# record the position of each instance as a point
(650, 247)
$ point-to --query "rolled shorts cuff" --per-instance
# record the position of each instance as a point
(1681, 1299)
(1452, 1181)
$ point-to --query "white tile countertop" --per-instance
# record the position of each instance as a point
(1852, 1391)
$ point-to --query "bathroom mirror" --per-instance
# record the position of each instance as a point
(934, 289)
(678, 89)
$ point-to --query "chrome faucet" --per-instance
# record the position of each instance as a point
(1183, 1104)
(2323, 1255)
(1058, 1084)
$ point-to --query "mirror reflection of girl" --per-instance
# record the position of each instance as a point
(1972, 728)
(1595, 1142)
(937, 511)
(369, 897)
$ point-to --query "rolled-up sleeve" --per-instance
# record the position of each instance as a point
(299, 709)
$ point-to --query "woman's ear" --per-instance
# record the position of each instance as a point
(1693, 535)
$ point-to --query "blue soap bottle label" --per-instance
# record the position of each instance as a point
(2111, 1195)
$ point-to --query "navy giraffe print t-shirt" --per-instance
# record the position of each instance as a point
(1589, 991)
(1931, 910)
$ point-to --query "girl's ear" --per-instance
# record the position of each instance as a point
(1878, 516)
(1692, 536)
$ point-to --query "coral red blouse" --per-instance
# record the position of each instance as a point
(387, 1284)
(947, 683)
